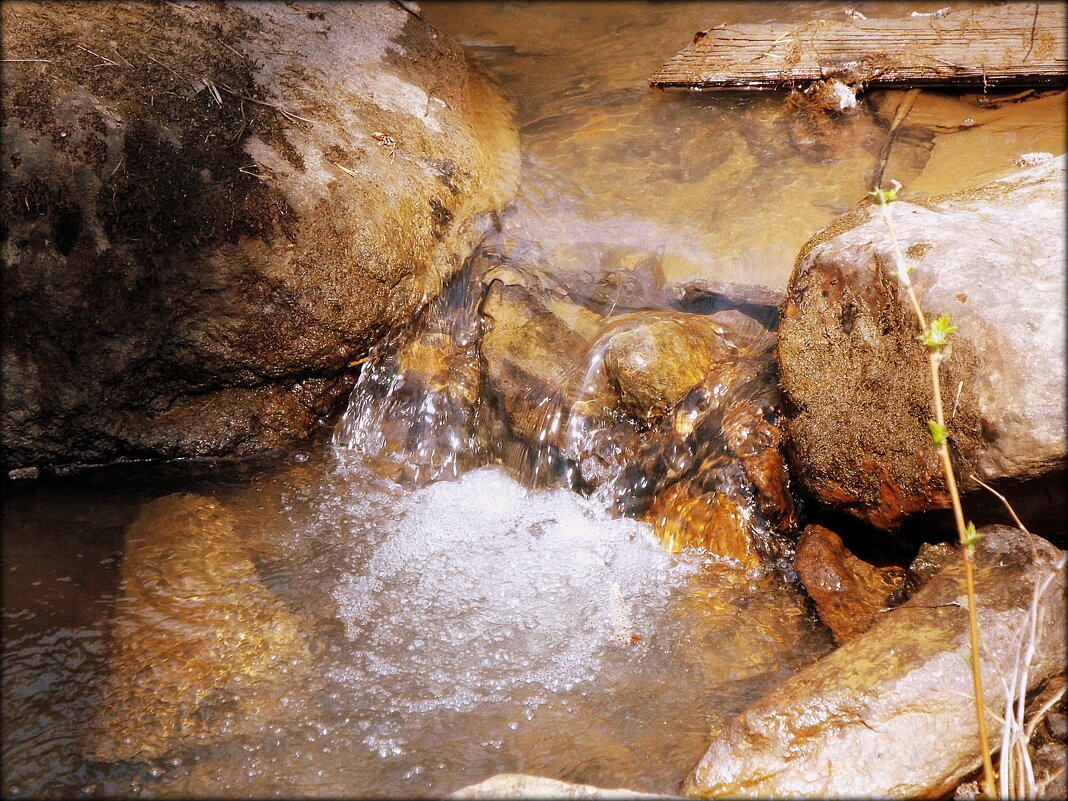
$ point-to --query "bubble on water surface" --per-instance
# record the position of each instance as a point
(487, 591)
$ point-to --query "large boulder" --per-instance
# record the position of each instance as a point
(857, 380)
(210, 211)
(890, 714)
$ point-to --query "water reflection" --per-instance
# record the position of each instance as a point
(720, 185)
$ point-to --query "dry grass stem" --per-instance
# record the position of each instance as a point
(1017, 777)
(287, 114)
(967, 545)
(105, 61)
(346, 170)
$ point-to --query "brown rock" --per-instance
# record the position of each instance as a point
(890, 714)
(755, 441)
(533, 349)
(656, 358)
(197, 636)
(848, 592)
(199, 239)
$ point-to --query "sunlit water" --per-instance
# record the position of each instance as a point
(467, 628)
(458, 624)
(728, 185)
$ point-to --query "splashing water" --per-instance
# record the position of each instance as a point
(413, 417)
(480, 377)
(489, 592)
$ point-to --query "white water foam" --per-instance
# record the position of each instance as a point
(487, 591)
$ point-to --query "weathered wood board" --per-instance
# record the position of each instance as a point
(1013, 44)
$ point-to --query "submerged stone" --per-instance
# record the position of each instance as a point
(657, 359)
(682, 518)
(532, 350)
(199, 644)
(890, 714)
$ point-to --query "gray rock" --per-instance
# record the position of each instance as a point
(890, 714)
(211, 211)
(991, 258)
(519, 785)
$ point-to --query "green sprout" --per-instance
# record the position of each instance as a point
(883, 197)
(971, 537)
(938, 432)
(937, 334)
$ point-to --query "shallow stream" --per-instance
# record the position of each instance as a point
(451, 630)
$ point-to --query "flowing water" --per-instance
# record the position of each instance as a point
(407, 607)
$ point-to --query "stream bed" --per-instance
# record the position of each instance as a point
(446, 632)
(464, 629)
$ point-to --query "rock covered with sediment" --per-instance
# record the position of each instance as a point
(890, 714)
(857, 380)
(212, 210)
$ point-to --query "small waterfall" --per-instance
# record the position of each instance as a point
(508, 366)
(411, 412)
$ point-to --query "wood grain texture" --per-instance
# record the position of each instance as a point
(1014, 44)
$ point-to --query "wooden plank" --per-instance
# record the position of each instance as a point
(1015, 44)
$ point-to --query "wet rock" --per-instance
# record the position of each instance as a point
(752, 433)
(533, 348)
(685, 518)
(655, 359)
(201, 236)
(857, 380)
(890, 713)
(848, 592)
(519, 785)
(200, 646)
(929, 560)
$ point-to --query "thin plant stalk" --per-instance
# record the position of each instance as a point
(965, 533)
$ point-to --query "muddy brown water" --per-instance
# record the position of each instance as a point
(472, 626)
